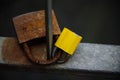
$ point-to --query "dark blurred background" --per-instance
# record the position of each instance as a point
(96, 20)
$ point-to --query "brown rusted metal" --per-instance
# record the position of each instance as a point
(31, 26)
(12, 52)
(37, 52)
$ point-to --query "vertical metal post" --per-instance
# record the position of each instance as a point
(48, 20)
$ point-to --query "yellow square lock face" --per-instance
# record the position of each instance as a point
(68, 41)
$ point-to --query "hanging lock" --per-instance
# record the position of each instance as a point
(68, 41)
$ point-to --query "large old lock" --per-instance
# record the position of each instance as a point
(30, 29)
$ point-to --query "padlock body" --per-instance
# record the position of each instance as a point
(31, 25)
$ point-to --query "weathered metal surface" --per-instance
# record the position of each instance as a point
(32, 25)
(88, 56)
(12, 53)
(36, 52)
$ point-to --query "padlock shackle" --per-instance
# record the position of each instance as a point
(37, 61)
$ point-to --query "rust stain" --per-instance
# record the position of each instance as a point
(13, 53)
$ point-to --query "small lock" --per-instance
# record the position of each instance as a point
(68, 41)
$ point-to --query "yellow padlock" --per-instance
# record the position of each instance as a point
(68, 41)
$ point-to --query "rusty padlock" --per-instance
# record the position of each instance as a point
(30, 29)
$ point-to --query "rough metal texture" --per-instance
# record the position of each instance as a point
(13, 53)
(32, 25)
(96, 57)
